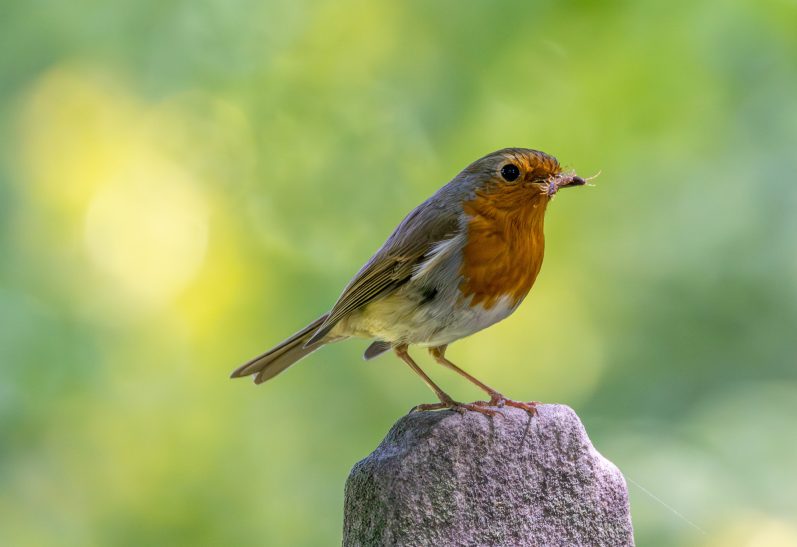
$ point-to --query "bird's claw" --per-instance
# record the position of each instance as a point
(498, 400)
(457, 407)
(530, 406)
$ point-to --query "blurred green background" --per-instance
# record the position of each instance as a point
(183, 184)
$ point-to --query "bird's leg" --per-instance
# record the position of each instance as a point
(496, 399)
(445, 399)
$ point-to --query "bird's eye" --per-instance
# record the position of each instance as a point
(510, 172)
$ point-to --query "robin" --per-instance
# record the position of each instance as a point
(461, 261)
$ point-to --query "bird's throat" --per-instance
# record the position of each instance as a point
(505, 245)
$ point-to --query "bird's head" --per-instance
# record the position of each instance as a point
(518, 175)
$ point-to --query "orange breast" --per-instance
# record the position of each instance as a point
(505, 245)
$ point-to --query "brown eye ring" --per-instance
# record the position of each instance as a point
(510, 172)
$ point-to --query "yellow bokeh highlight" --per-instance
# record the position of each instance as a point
(120, 190)
(148, 230)
(78, 129)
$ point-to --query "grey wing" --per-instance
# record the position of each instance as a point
(393, 264)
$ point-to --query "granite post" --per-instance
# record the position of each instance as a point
(444, 478)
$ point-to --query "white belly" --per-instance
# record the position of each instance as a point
(398, 320)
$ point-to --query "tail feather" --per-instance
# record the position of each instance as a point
(280, 357)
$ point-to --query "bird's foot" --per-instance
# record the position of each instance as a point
(451, 404)
(498, 400)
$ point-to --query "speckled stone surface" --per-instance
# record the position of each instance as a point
(441, 478)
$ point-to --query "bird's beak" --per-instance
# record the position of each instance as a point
(564, 180)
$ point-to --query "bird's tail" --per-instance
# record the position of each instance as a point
(280, 357)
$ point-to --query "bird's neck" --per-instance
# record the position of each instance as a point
(505, 245)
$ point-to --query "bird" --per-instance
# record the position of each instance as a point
(461, 261)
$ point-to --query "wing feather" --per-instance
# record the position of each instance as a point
(394, 264)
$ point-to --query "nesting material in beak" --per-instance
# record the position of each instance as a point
(564, 180)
